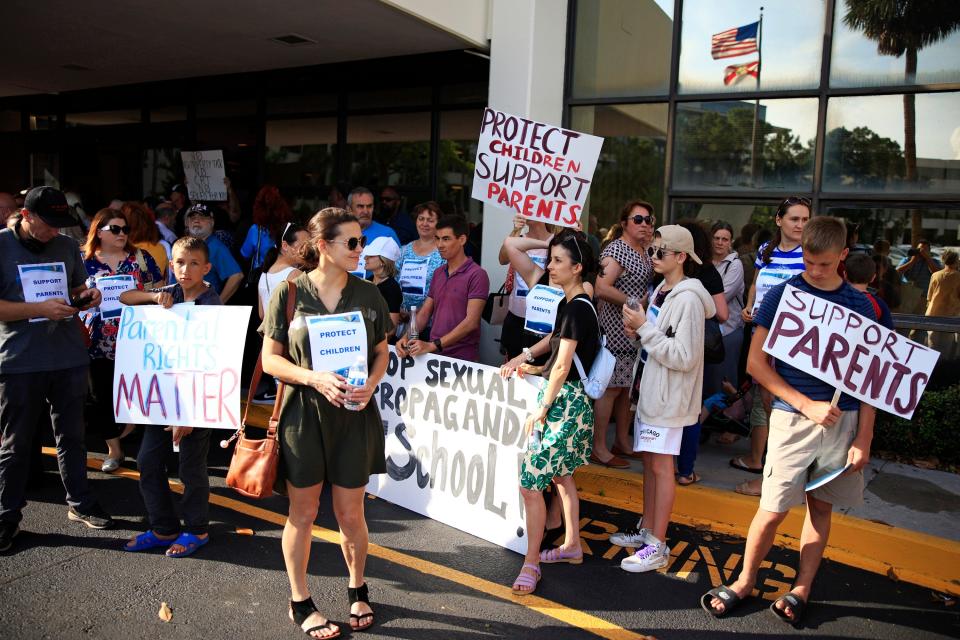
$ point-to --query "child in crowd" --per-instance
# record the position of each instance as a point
(860, 269)
(807, 434)
(191, 262)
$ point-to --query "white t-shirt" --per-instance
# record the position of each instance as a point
(268, 282)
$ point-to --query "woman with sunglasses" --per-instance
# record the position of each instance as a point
(671, 336)
(564, 415)
(626, 271)
(329, 431)
(115, 265)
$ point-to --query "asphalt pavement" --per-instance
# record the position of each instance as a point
(426, 580)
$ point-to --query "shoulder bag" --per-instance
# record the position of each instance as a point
(495, 309)
(595, 383)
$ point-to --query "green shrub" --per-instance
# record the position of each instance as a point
(931, 431)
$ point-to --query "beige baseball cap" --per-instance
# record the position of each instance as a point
(673, 237)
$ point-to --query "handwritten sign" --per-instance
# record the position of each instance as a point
(850, 352)
(43, 281)
(110, 289)
(179, 366)
(538, 170)
(454, 443)
(204, 171)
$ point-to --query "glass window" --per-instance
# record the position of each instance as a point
(301, 161)
(632, 159)
(161, 170)
(43, 121)
(392, 150)
(464, 93)
(301, 104)
(622, 48)
(740, 144)
(790, 40)
(390, 97)
(737, 214)
(859, 61)
(103, 118)
(865, 146)
(459, 131)
(45, 169)
(227, 109)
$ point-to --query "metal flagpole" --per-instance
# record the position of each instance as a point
(755, 141)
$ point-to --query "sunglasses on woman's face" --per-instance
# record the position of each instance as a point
(648, 220)
(352, 243)
(658, 252)
(116, 229)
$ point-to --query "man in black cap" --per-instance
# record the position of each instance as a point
(43, 356)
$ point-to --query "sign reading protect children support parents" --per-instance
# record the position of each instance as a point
(179, 366)
(454, 442)
(850, 352)
(204, 172)
(538, 170)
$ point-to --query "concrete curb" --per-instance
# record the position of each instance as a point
(898, 553)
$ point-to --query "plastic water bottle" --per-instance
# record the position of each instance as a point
(414, 333)
(356, 377)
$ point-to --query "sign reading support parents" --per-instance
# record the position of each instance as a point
(179, 366)
(538, 170)
(454, 442)
(204, 173)
(850, 352)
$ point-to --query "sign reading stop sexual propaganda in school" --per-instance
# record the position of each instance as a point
(180, 366)
(538, 170)
(204, 173)
(850, 352)
(454, 442)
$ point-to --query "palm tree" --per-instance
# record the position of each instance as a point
(902, 28)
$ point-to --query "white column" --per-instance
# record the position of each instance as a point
(528, 41)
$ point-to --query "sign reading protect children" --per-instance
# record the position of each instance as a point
(179, 366)
(850, 352)
(538, 170)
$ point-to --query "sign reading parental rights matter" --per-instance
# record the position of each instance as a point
(179, 366)
(541, 171)
(204, 173)
(454, 442)
(850, 352)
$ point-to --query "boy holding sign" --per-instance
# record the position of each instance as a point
(191, 262)
(810, 435)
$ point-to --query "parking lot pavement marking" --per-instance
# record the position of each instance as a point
(572, 617)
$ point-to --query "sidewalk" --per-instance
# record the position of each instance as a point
(907, 528)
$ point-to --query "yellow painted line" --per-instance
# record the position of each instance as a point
(567, 615)
(899, 553)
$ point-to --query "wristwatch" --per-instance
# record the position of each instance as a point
(528, 354)
(438, 345)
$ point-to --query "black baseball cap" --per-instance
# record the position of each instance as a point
(50, 205)
(199, 209)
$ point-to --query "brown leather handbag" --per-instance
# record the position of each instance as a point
(253, 468)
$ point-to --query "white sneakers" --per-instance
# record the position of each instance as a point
(635, 537)
(651, 556)
(111, 464)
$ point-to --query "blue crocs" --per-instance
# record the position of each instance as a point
(189, 542)
(146, 540)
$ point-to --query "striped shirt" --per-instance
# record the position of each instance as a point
(783, 266)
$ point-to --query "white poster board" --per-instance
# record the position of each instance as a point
(43, 281)
(454, 442)
(538, 170)
(204, 172)
(850, 352)
(180, 366)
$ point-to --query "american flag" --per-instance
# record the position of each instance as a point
(738, 41)
(735, 72)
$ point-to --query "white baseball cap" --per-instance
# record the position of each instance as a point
(383, 246)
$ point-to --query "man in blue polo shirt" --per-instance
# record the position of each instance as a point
(225, 276)
(360, 204)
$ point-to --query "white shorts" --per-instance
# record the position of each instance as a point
(654, 439)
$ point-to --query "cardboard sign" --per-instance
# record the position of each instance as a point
(180, 366)
(336, 341)
(110, 289)
(204, 173)
(454, 443)
(538, 170)
(850, 352)
(43, 281)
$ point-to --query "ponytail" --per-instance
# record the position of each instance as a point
(766, 256)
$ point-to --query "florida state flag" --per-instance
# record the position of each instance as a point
(735, 72)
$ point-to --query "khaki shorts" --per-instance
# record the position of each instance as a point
(799, 450)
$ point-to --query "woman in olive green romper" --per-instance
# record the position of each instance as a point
(320, 440)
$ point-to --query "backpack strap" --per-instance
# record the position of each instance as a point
(603, 339)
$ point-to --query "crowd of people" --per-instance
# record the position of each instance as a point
(679, 312)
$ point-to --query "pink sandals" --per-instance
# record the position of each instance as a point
(559, 554)
(528, 579)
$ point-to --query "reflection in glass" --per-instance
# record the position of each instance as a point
(391, 149)
(161, 170)
(301, 161)
(45, 169)
(633, 157)
(622, 48)
(737, 214)
(918, 43)
(458, 150)
(866, 143)
(741, 144)
(102, 118)
(791, 42)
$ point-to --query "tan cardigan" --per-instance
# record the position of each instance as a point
(672, 383)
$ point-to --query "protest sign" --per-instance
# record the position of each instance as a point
(43, 281)
(454, 442)
(541, 171)
(850, 352)
(110, 289)
(336, 341)
(542, 306)
(179, 366)
(204, 174)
